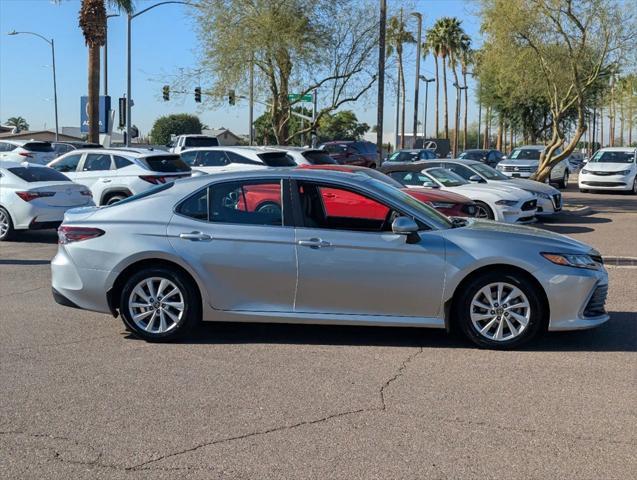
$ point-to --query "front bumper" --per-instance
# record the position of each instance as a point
(589, 181)
(549, 206)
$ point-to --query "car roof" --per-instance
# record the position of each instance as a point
(14, 163)
(132, 152)
(462, 161)
(196, 135)
(22, 142)
(530, 147)
(477, 150)
(411, 166)
(237, 148)
(336, 167)
(618, 149)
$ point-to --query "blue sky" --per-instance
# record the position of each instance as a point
(164, 40)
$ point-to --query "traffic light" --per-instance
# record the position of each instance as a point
(166, 92)
(122, 112)
(198, 94)
(231, 97)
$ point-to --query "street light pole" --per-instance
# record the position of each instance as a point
(106, 53)
(417, 81)
(381, 80)
(129, 99)
(427, 82)
(55, 89)
(251, 112)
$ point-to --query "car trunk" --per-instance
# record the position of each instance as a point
(64, 194)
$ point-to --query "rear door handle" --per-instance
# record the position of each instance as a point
(106, 180)
(314, 243)
(195, 236)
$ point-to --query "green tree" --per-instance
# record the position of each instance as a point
(176, 124)
(576, 45)
(18, 122)
(341, 125)
(397, 37)
(92, 19)
(296, 46)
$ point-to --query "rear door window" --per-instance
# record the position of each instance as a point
(212, 158)
(68, 163)
(166, 164)
(38, 147)
(189, 156)
(247, 203)
(38, 174)
(97, 162)
(121, 162)
(276, 159)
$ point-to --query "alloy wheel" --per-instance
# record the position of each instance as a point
(156, 305)
(481, 212)
(500, 311)
(271, 208)
(4, 224)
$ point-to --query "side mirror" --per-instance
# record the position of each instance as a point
(504, 157)
(406, 226)
(476, 179)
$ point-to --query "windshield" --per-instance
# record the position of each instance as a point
(38, 174)
(446, 177)
(277, 159)
(431, 215)
(488, 172)
(473, 155)
(404, 156)
(335, 147)
(526, 154)
(166, 164)
(613, 157)
(318, 157)
(375, 174)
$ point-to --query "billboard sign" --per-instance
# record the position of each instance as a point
(105, 106)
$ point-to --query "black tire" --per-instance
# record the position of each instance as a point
(190, 317)
(634, 192)
(563, 183)
(461, 311)
(373, 165)
(486, 208)
(583, 190)
(111, 199)
(7, 232)
(269, 207)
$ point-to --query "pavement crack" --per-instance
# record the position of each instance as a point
(399, 373)
(23, 292)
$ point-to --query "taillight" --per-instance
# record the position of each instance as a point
(154, 179)
(25, 154)
(69, 234)
(28, 196)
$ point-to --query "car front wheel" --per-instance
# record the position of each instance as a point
(499, 310)
(564, 182)
(484, 211)
(159, 304)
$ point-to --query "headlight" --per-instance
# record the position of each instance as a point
(508, 203)
(499, 167)
(539, 194)
(585, 171)
(442, 205)
(572, 260)
(623, 172)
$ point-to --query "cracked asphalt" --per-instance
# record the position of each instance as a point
(80, 398)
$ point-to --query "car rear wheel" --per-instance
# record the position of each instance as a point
(114, 199)
(635, 186)
(499, 310)
(484, 211)
(6, 225)
(159, 304)
(563, 184)
(269, 207)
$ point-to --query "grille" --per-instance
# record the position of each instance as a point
(595, 306)
(604, 184)
(530, 205)
(557, 200)
(508, 168)
(602, 174)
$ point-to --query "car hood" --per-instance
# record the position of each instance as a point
(607, 167)
(530, 185)
(435, 195)
(502, 190)
(520, 162)
(545, 241)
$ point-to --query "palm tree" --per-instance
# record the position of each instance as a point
(466, 59)
(397, 36)
(93, 24)
(19, 123)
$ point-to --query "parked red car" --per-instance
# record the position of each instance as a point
(350, 152)
(339, 203)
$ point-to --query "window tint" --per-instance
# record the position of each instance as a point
(473, 155)
(96, 162)
(236, 158)
(61, 148)
(201, 142)
(196, 206)
(335, 147)
(526, 154)
(461, 170)
(38, 174)
(189, 156)
(341, 209)
(7, 147)
(613, 157)
(67, 164)
(246, 203)
(38, 147)
(318, 157)
(414, 179)
(166, 164)
(404, 156)
(276, 159)
(212, 158)
(121, 162)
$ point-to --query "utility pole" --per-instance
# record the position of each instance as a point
(427, 82)
(314, 102)
(479, 120)
(106, 53)
(417, 80)
(381, 80)
(251, 113)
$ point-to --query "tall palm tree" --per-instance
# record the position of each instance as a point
(92, 19)
(19, 123)
(466, 59)
(397, 36)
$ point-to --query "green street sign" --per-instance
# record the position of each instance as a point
(294, 97)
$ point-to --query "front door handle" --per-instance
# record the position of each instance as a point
(106, 180)
(314, 243)
(195, 236)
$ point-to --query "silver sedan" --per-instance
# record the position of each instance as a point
(308, 246)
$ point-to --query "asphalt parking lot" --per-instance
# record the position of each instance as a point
(80, 398)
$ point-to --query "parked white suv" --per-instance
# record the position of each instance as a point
(184, 142)
(524, 161)
(114, 174)
(35, 197)
(306, 156)
(32, 151)
(217, 159)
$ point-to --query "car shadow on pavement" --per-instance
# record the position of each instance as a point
(571, 224)
(619, 203)
(618, 335)
(23, 262)
(35, 236)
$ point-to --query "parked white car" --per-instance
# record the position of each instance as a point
(524, 161)
(185, 142)
(502, 203)
(35, 197)
(549, 199)
(610, 169)
(114, 174)
(32, 151)
(217, 159)
(306, 156)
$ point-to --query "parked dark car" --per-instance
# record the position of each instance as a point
(349, 152)
(411, 155)
(61, 148)
(488, 157)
